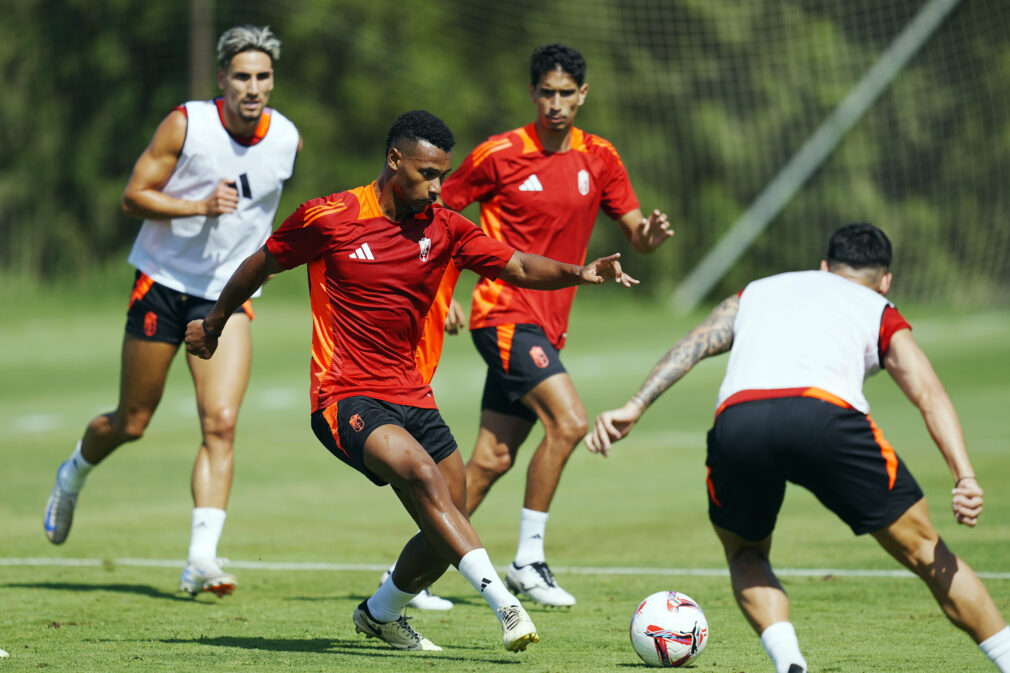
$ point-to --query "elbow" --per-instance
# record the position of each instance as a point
(129, 206)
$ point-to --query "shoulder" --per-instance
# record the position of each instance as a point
(501, 145)
(276, 117)
(597, 145)
(332, 210)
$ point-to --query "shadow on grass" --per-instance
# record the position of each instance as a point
(357, 648)
(139, 589)
(357, 598)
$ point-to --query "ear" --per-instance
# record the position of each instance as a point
(533, 93)
(394, 158)
(884, 284)
(824, 265)
(221, 78)
(583, 92)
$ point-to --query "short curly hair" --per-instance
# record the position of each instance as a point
(550, 56)
(418, 125)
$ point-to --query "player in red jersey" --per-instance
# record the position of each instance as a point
(791, 408)
(376, 256)
(540, 188)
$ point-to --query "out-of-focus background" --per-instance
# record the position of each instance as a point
(785, 117)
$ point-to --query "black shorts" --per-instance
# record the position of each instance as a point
(344, 427)
(518, 357)
(157, 313)
(836, 453)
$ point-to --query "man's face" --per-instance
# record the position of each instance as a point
(557, 98)
(247, 84)
(420, 169)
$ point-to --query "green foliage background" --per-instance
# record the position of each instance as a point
(705, 100)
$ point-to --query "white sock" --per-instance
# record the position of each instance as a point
(997, 648)
(388, 601)
(208, 522)
(477, 569)
(779, 641)
(73, 472)
(531, 537)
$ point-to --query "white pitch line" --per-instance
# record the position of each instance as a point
(380, 567)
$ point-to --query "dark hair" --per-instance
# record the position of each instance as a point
(550, 56)
(860, 245)
(418, 125)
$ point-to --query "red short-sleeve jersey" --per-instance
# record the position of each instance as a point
(540, 202)
(371, 283)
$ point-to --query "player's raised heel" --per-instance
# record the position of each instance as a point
(398, 634)
(796, 668)
(536, 581)
(517, 628)
(207, 575)
(59, 512)
(424, 600)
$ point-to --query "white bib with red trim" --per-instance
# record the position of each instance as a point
(806, 329)
(197, 255)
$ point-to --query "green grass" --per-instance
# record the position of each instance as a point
(643, 507)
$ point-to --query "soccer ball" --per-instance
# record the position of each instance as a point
(669, 629)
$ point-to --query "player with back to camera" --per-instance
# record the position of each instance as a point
(207, 188)
(791, 408)
(376, 256)
(540, 187)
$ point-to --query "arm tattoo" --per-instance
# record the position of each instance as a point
(711, 337)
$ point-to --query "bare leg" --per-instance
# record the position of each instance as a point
(758, 592)
(914, 542)
(143, 371)
(498, 440)
(419, 564)
(220, 386)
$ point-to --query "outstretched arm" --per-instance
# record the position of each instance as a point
(713, 336)
(912, 371)
(202, 335)
(645, 233)
(542, 273)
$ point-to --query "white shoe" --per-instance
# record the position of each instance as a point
(517, 629)
(536, 581)
(207, 575)
(3, 654)
(397, 634)
(59, 512)
(424, 600)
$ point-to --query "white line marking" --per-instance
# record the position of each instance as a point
(381, 567)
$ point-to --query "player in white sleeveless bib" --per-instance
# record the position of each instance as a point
(791, 409)
(207, 188)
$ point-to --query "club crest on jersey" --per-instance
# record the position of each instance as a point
(356, 423)
(540, 358)
(425, 244)
(584, 182)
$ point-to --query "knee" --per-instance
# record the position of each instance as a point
(219, 428)
(491, 462)
(423, 480)
(131, 424)
(568, 429)
(747, 557)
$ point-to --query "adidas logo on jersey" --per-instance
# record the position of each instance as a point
(364, 252)
(531, 184)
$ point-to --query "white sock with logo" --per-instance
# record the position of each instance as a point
(779, 641)
(208, 522)
(997, 648)
(532, 525)
(388, 601)
(477, 569)
(74, 471)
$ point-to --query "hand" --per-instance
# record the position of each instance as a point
(967, 501)
(653, 230)
(223, 200)
(455, 320)
(612, 426)
(604, 269)
(198, 342)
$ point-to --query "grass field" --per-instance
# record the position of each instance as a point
(620, 528)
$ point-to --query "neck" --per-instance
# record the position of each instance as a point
(554, 141)
(236, 125)
(385, 193)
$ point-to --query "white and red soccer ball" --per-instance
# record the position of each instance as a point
(669, 629)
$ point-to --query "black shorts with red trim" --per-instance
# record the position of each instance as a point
(836, 453)
(518, 357)
(344, 427)
(157, 313)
